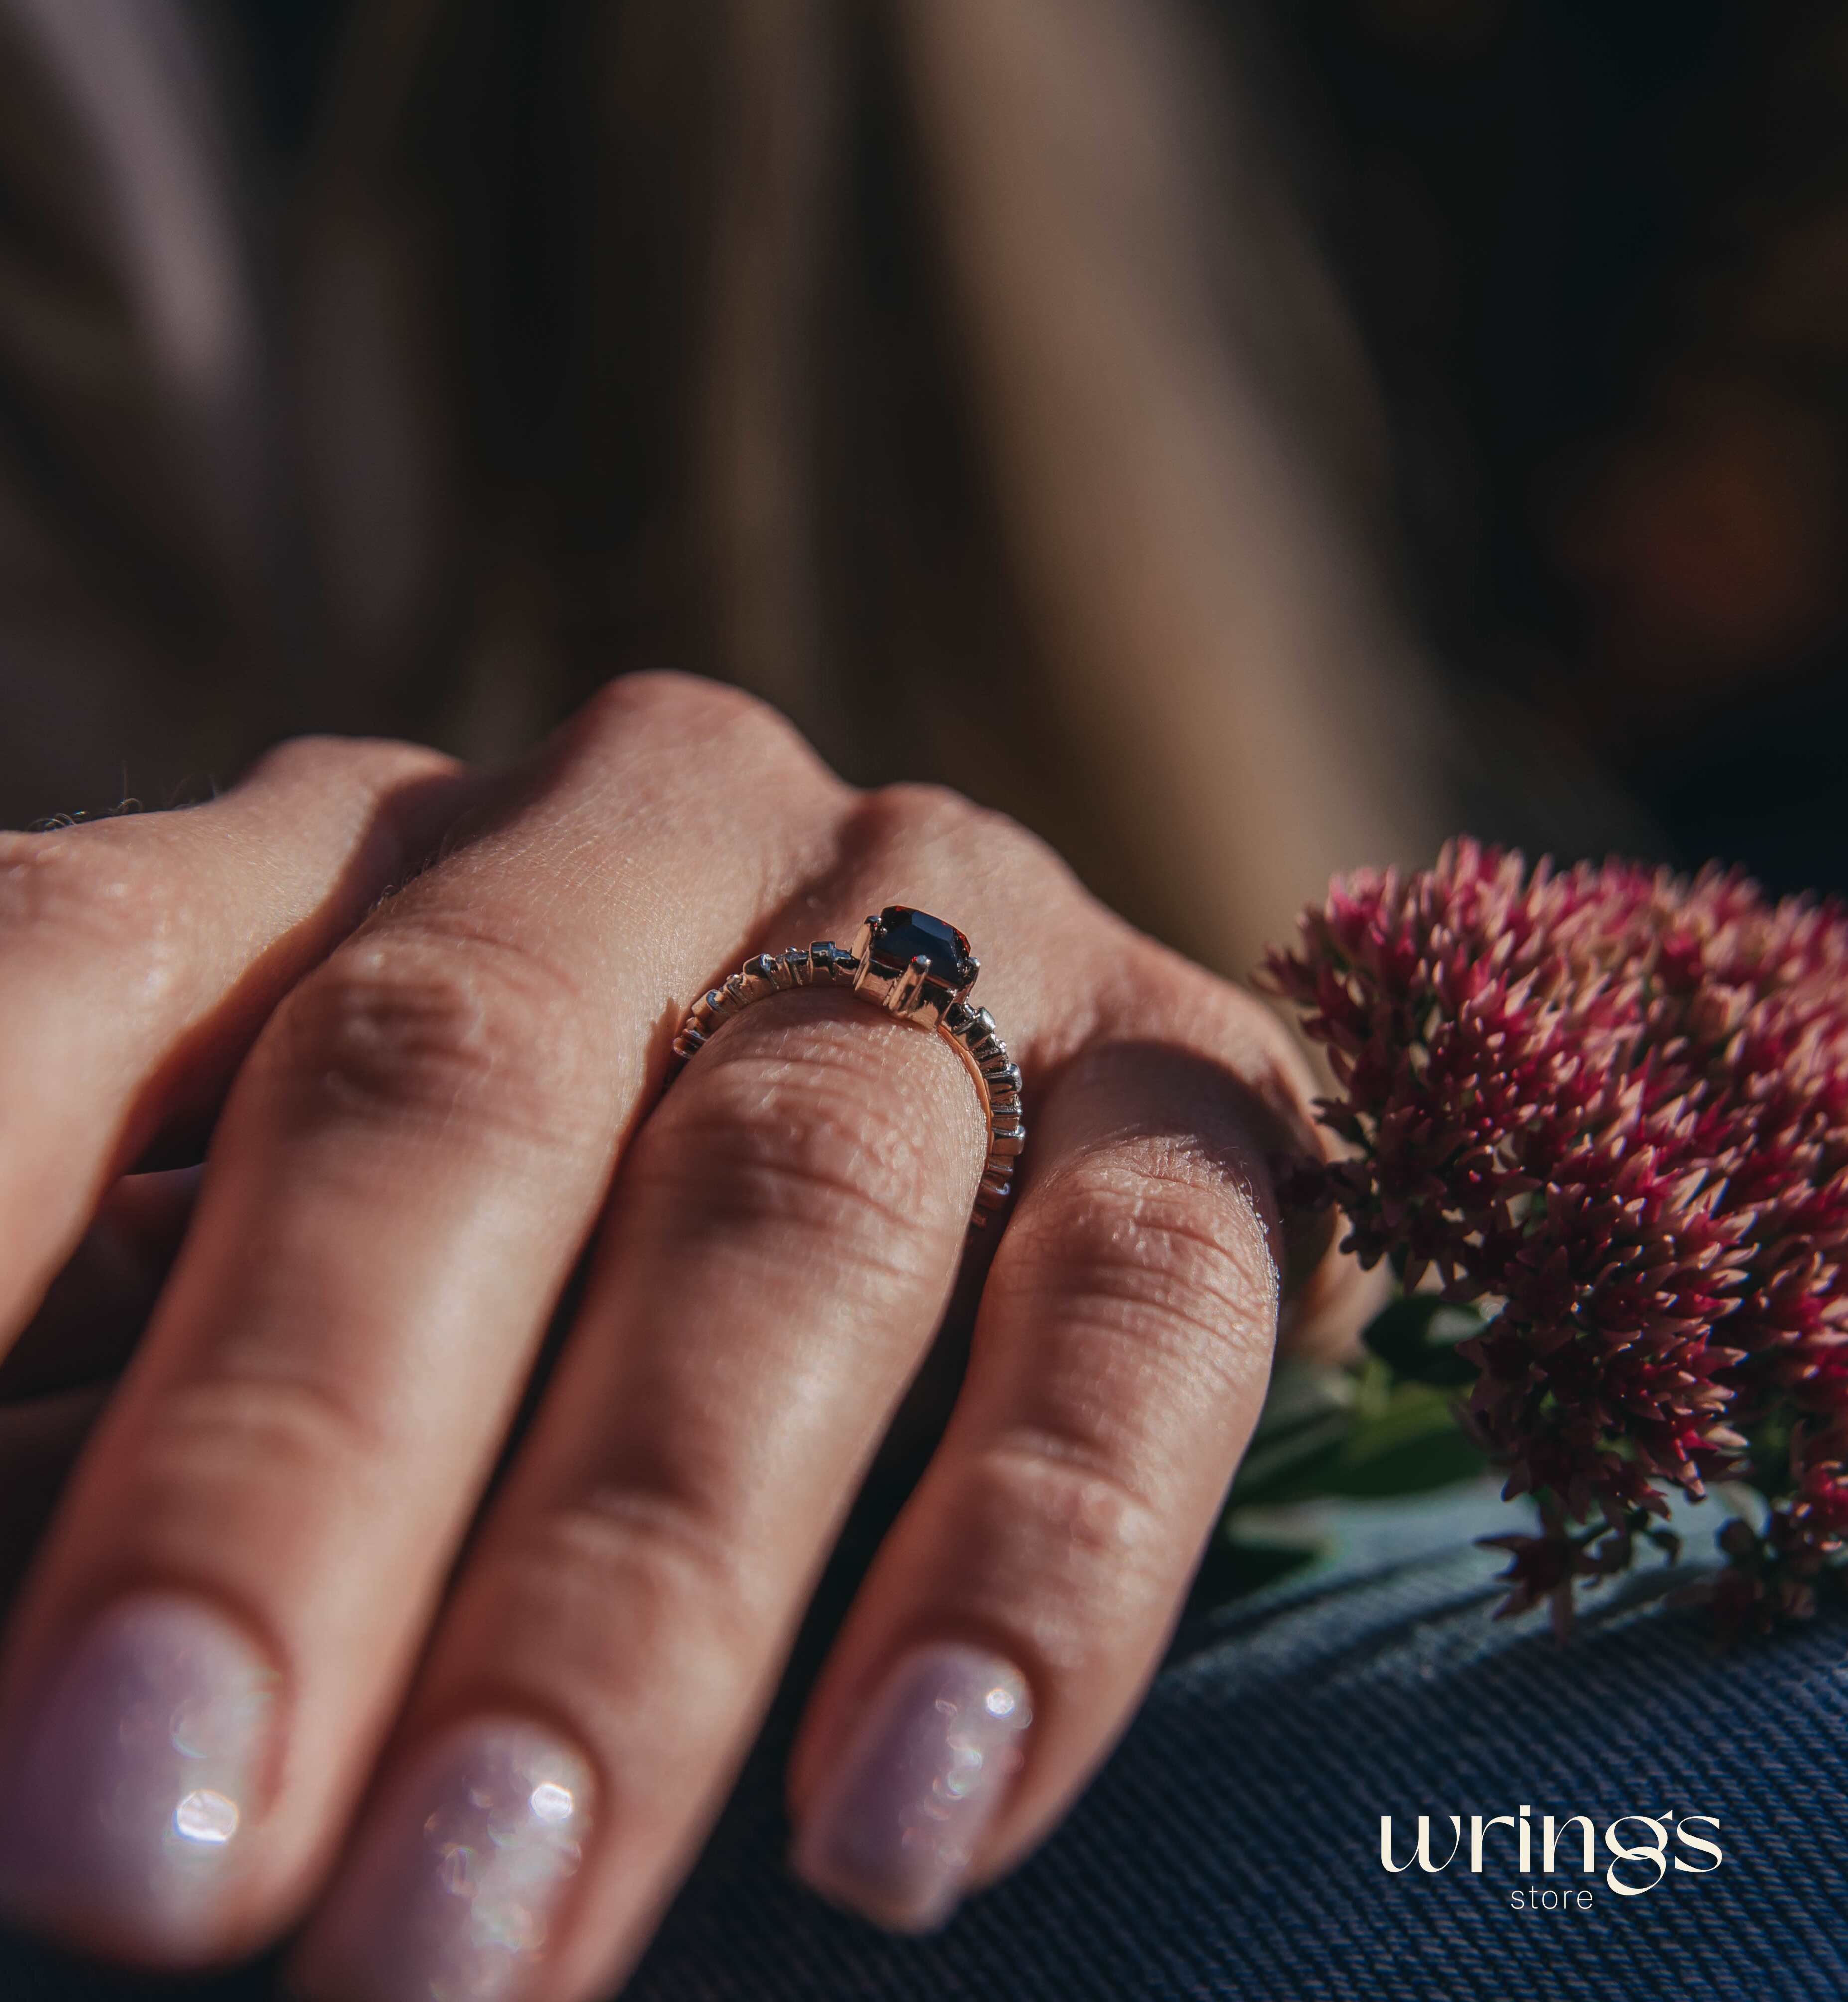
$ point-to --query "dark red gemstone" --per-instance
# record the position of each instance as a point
(905, 935)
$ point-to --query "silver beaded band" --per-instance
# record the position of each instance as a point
(912, 965)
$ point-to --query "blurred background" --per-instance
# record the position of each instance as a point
(1244, 441)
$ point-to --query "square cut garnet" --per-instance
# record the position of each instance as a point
(905, 935)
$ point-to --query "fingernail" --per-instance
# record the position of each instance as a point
(890, 1832)
(455, 1885)
(130, 1787)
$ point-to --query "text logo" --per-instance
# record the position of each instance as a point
(1638, 1846)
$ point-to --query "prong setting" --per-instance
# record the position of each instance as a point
(912, 965)
(901, 997)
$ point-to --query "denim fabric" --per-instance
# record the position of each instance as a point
(1230, 1848)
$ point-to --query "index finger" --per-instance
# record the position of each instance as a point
(401, 1180)
(139, 956)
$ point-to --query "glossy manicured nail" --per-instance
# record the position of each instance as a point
(454, 1883)
(890, 1831)
(130, 1786)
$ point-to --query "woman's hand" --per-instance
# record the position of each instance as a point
(254, 1676)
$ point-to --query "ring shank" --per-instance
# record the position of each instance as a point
(970, 1031)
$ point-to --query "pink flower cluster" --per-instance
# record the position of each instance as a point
(1611, 1105)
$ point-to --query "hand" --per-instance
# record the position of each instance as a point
(272, 1663)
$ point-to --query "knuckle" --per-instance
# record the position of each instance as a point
(657, 1556)
(371, 762)
(655, 691)
(644, 723)
(683, 707)
(907, 804)
(470, 1030)
(910, 813)
(909, 810)
(1063, 1548)
(105, 887)
(313, 753)
(234, 1432)
(825, 1141)
(1166, 994)
(247, 1475)
(1154, 1248)
(1070, 1486)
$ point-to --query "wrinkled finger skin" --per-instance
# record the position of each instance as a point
(140, 957)
(276, 1666)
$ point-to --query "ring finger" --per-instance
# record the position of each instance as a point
(781, 1244)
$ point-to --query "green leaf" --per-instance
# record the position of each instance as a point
(1232, 1568)
(1304, 1478)
(1308, 1414)
(1410, 1466)
(1417, 1336)
(1404, 1439)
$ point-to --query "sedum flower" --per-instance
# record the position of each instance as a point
(1611, 1106)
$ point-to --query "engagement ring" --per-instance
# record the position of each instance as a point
(912, 965)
